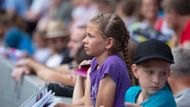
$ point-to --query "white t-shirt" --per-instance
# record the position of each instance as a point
(41, 55)
(54, 60)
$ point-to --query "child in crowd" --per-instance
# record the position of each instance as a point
(152, 67)
(108, 78)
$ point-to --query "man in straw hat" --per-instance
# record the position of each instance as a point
(57, 37)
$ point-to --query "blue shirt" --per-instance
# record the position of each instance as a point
(19, 6)
(115, 67)
(18, 39)
(162, 98)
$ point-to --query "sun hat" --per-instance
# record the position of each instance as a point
(56, 29)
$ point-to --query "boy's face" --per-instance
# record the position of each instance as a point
(152, 75)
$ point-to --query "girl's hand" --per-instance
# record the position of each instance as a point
(132, 105)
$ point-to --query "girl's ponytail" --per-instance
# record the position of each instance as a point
(128, 55)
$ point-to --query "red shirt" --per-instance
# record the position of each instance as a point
(185, 34)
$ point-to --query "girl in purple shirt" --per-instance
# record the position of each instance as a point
(108, 78)
(106, 37)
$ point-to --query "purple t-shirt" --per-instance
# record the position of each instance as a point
(115, 67)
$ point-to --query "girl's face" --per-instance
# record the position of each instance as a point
(152, 75)
(94, 43)
(149, 9)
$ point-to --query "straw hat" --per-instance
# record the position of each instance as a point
(56, 29)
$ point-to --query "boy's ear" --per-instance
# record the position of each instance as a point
(109, 43)
(134, 69)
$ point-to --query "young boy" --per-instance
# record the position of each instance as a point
(151, 67)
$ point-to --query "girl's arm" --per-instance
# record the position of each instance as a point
(78, 93)
(106, 92)
(87, 102)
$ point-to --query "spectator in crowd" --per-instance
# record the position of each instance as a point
(108, 77)
(14, 35)
(37, 10)
(79, 88)
(126, 9)
(42, 51)
(83, 12)
(57, 37)
(106, 6)
(40, 42)
(146, 27)
(152, 67)
(61, 10)
(179, 80)
(178, 18)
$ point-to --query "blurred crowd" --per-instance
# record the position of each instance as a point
(44, 37)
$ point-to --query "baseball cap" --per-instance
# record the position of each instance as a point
(153, 49)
